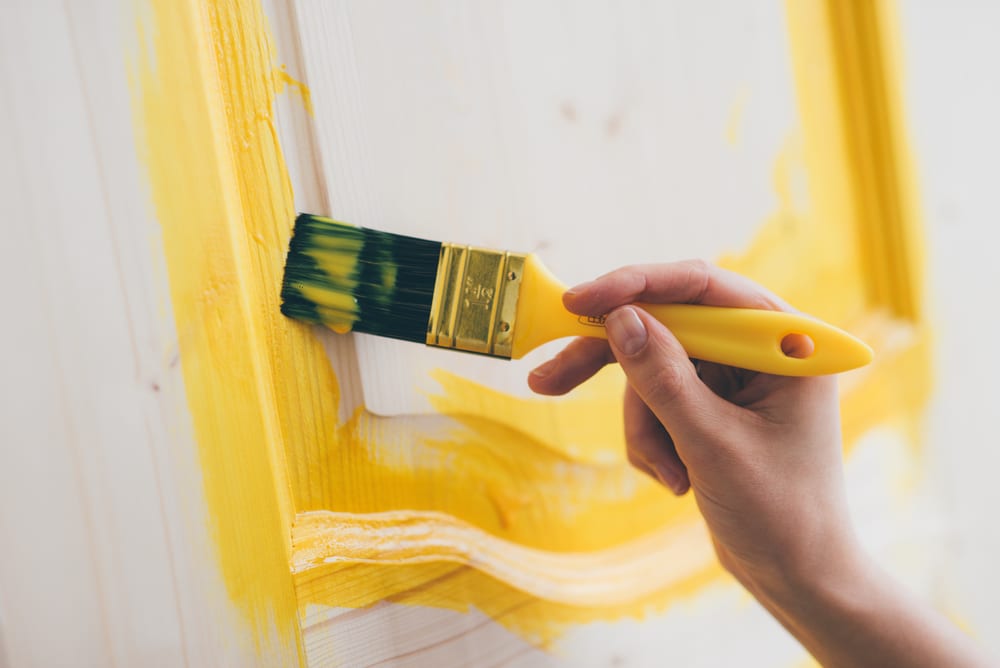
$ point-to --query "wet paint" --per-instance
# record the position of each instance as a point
(203, 100)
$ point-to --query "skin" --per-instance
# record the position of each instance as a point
(762, 456)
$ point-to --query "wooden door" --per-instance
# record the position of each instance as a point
(247, 488)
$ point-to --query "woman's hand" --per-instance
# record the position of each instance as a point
(761, 453)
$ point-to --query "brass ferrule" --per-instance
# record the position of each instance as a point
(475, 300)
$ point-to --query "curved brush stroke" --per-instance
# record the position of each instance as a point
(585, 427)
(607, 577)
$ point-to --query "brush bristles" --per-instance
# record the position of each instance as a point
(353, 278)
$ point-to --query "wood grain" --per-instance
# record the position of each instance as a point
(101, 519)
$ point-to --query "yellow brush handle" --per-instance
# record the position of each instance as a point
(745, 338)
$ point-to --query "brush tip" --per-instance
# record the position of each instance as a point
(354, 278)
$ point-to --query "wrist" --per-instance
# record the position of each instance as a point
(836, 581)
(815, 575)
(848, 612)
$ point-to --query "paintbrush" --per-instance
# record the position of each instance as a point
(506, 304)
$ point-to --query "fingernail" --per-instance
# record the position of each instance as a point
(543, 370)
(626, 330)
(672, 479)
(577, 289)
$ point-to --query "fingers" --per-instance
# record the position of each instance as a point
(725, 381)
(577, 362)
(649, 446)
(688, 282)
(659, 371)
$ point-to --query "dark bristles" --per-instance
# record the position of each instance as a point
(355, 278)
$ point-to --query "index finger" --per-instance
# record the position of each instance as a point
(687, 282)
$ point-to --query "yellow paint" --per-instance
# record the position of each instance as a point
(203, 101)
(584, 430)
(513, 485)
(283, 80)
(850, 252)
(496, 509)
(338, 258)
(532, 487)
(833, 286)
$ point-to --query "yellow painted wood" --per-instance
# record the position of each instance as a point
(204, 100)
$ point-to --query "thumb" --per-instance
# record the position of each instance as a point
(659, 370)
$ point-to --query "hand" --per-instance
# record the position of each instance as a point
(761, 453)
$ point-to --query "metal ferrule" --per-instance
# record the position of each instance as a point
(475, 300)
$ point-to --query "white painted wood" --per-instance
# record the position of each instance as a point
(953, 97)
(390, 634)
(595, 134)
(105, 557)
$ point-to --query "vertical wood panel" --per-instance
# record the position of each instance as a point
(106, 555)
(86, 545)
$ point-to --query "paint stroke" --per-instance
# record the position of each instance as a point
(203, 95)
(506, 478)
(506, 470)
(585, 428)
(615, 576)
(284, 81)
(458, 586)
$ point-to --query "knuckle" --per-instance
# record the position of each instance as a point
(699, 266)
(699, 277)
(632, 277)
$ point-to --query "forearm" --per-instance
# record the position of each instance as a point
(856, 615)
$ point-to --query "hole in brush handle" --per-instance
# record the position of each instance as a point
(797, 345)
